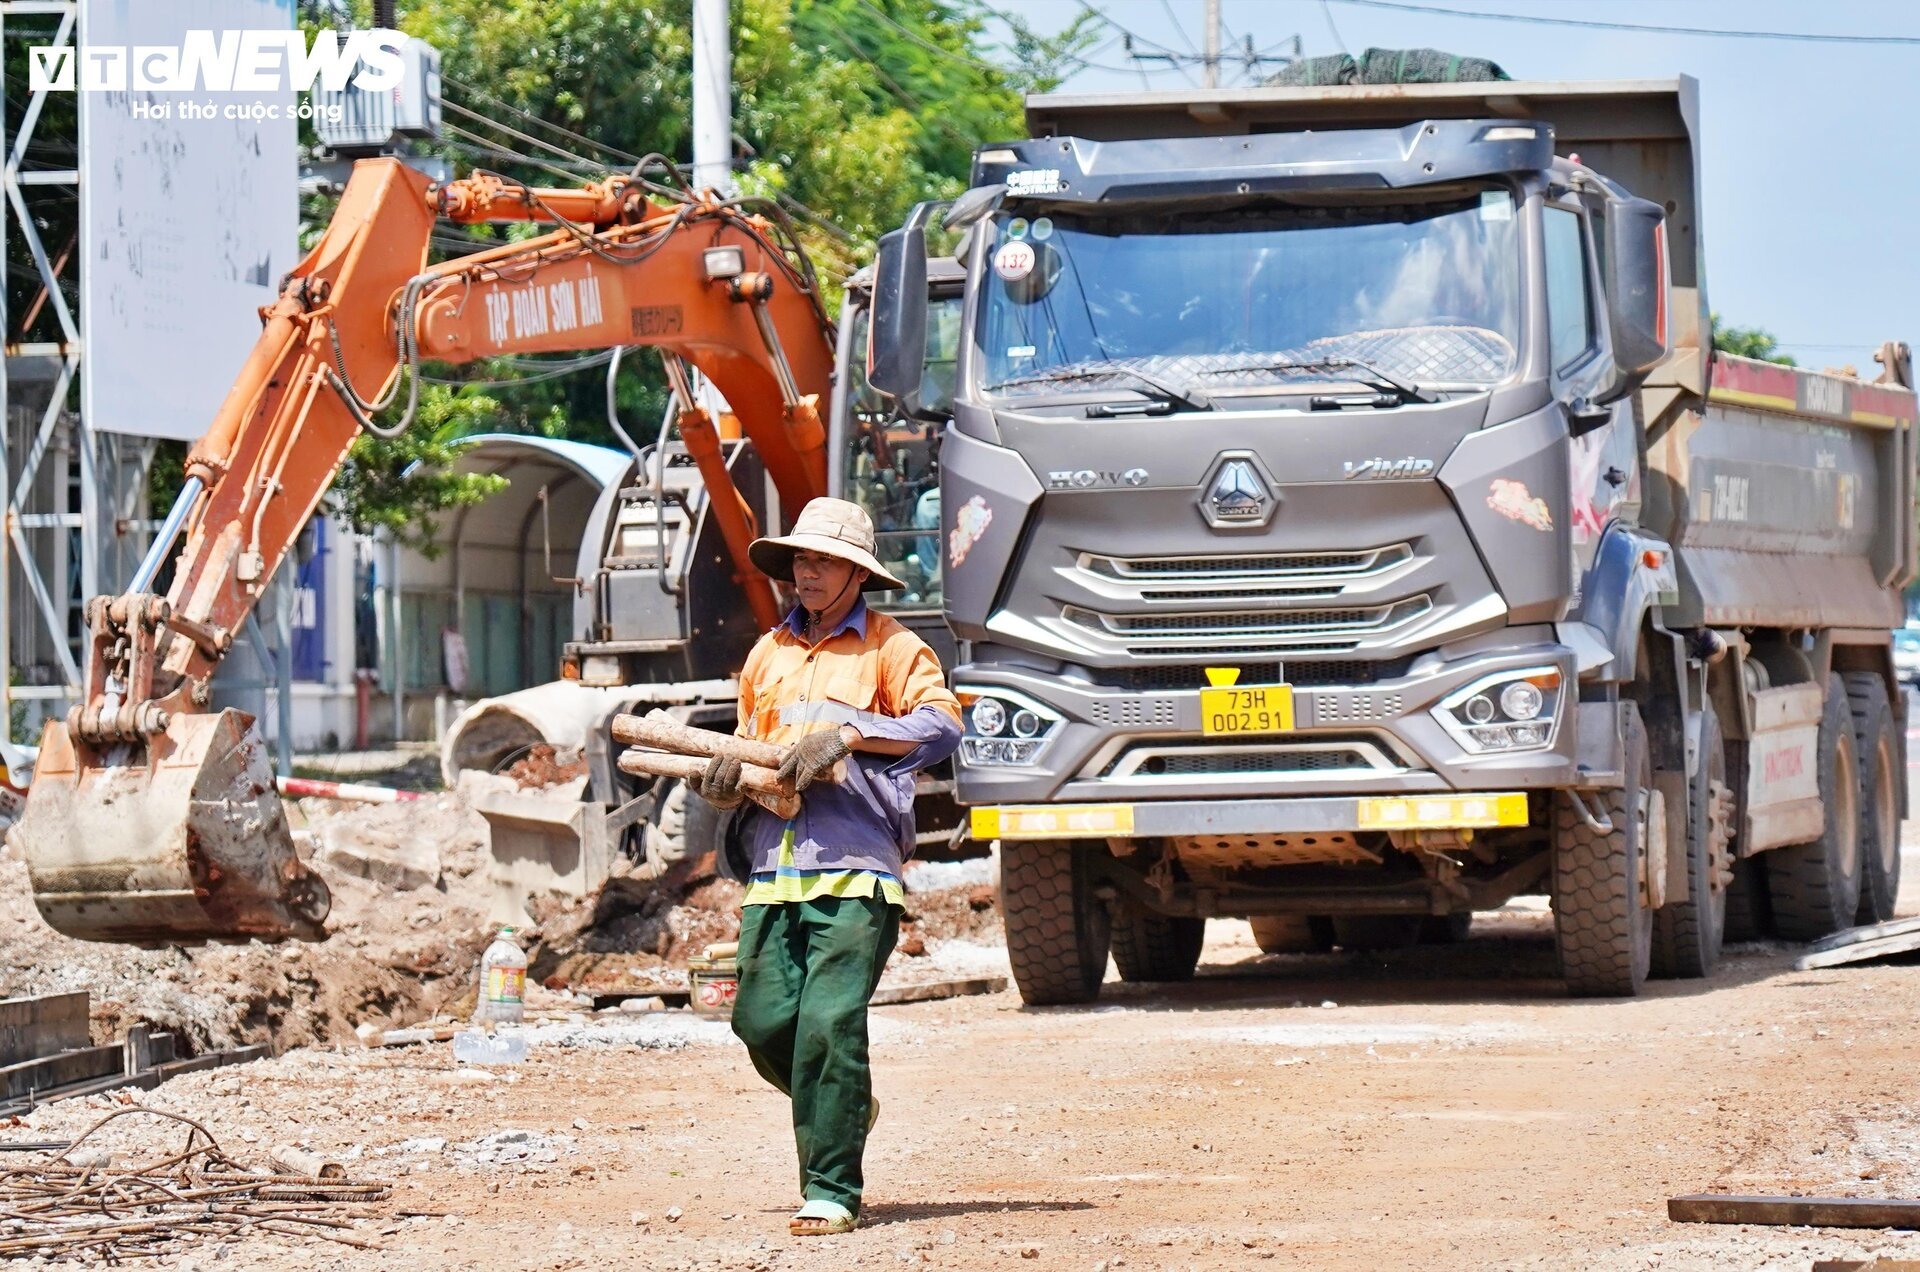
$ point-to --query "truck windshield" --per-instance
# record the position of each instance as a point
(1248, 301)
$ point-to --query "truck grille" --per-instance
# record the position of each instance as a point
(1293, 576)
(1329, 671)
(1262, 631)
(1357, 756)
(1228, 569)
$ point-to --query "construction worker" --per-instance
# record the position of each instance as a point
(837, 682)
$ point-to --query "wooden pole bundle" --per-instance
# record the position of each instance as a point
(682, 750)
(762, 785)
(662, 732)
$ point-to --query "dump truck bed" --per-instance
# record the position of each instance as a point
(1789, 498)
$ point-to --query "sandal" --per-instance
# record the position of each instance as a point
(821, 1219)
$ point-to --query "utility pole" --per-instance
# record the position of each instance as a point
(712, 97)
(1212, 79)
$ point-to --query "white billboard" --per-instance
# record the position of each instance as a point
(189, 203)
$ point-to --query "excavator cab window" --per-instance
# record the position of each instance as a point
(893, 464)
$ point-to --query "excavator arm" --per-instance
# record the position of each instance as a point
(151, 819)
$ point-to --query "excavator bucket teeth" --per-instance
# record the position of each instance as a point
(181, 841)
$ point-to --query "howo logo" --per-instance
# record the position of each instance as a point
(1087, 478)
(1387, 469)
(224, 62)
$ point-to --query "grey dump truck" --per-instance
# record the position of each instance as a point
(1348, 526)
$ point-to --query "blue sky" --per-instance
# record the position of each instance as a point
(1810, 188)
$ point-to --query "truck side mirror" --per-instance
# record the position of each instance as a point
(897, 354)
(1636, 292)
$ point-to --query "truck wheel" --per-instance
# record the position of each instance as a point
(1815, 886)
(1292, 933)
(1687, 935)
(1749, 916)
(1601, 922)
(1879, 752)
(1373, 933)
(1057, 930)
(1156, 947)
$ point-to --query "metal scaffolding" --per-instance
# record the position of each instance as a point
(72, 499)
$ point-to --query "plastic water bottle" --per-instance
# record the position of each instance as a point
(503, 982)
(472, 1046)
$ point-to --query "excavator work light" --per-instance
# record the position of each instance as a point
(724, 262)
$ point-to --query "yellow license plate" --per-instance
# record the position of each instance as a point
(1249, 709)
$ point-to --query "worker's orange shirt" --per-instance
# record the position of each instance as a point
(872, 673)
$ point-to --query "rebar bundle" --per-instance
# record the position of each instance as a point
(65, 1205)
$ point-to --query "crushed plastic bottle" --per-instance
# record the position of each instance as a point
(503, 983)
(476, 1046)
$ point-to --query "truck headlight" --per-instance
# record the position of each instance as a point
(989, 714)
(601, 669)
(1507, 711)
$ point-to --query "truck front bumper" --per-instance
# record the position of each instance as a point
(1115, 745)
(1309, 815)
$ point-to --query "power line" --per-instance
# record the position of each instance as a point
(491, 100)
(931, 47)
(515, 133)
(1178, 30)
(475, 142)
(1327, 10)
(1594, 24)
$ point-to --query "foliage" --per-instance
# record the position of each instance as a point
(399, 484)
(1748, 342)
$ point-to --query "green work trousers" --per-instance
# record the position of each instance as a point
(807, 969)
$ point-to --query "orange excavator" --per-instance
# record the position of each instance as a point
(152, 818)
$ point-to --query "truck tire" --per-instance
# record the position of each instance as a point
(1688, 935)
(1156, 947)
(1375, 933)
(1880, 774)
(1602, 926)
(1058, 932)
(1815, 886)
(1749, 916)
(1292, 933)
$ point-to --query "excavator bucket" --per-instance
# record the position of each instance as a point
(180, 842)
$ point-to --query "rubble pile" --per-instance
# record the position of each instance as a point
(408, 921)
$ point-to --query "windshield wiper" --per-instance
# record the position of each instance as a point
(1194, 399)
(1368, 374)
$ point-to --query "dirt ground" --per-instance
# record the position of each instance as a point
(1438, 1108)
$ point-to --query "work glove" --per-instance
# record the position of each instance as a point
(719, 785)
(812, 757)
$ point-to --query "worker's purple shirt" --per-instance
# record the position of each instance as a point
(864, 822)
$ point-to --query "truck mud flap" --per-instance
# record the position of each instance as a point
(1783, 779)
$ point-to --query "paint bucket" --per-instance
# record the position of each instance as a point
(712, 982)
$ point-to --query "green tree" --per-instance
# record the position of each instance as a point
(1748, 342)
(399, 484)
